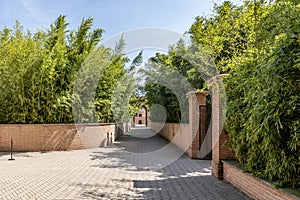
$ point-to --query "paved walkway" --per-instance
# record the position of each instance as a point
(127, 170)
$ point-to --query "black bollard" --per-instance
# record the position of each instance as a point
(11, 150)
(107, 139)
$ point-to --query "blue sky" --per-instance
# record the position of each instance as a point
(114, 16)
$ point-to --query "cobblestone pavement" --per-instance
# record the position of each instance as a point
(126, 170)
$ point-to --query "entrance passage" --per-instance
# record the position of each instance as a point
(105, 173)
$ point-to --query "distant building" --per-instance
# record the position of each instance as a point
(140, 117)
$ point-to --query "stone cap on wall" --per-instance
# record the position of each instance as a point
(200, 95)
(63, 124)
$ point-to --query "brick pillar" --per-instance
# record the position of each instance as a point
(220, 140)
(196, 101)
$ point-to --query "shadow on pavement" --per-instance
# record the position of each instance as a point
(183, 178)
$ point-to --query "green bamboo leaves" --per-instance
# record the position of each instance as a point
(38, 73)
(258, 45)
(263, 110)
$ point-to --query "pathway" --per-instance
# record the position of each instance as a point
(140, 166)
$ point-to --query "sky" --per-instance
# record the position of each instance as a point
(149, 25)
(114, 16)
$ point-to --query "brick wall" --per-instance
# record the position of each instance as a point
(187, 136)
(56, 137)
(254, 187)
(93, 136)
(176, 133)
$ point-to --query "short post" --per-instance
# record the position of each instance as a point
(107, 138)
(11, 149)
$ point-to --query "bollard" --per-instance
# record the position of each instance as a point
(11, 150)
(107, 138)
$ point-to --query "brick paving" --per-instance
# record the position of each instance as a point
(141, 165)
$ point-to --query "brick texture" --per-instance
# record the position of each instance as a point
(178, 134)
(254, 187)
(187, 136)
(220, 140)
(57, 137)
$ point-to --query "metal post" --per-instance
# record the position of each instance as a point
(11, 150)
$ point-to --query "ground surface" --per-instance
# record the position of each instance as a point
(141, 166)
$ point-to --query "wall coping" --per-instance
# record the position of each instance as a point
(70, 124)
(197, 92)
(169, 122)
(239, 167)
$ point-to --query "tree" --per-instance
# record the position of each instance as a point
(170, 76)
(39, 72)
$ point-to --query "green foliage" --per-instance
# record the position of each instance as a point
(106, 87)
(225, 34)
(89, 99)
(267, 136)
(263, 109)
(38, 72)
(257, 43)
(121, 99)
(169, 77)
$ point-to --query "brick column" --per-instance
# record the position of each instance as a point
(196, 100)
(220, 140)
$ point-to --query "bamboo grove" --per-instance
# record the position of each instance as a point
(258, 44)
(38, 72)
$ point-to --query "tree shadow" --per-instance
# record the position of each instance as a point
(134, 153)
(183, 178)
(203, 187)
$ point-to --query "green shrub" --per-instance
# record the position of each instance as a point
(263, 110)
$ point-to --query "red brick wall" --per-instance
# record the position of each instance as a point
(254, 187)
(186, 136)
(172, 132)
(56, 137)
(93, 136)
